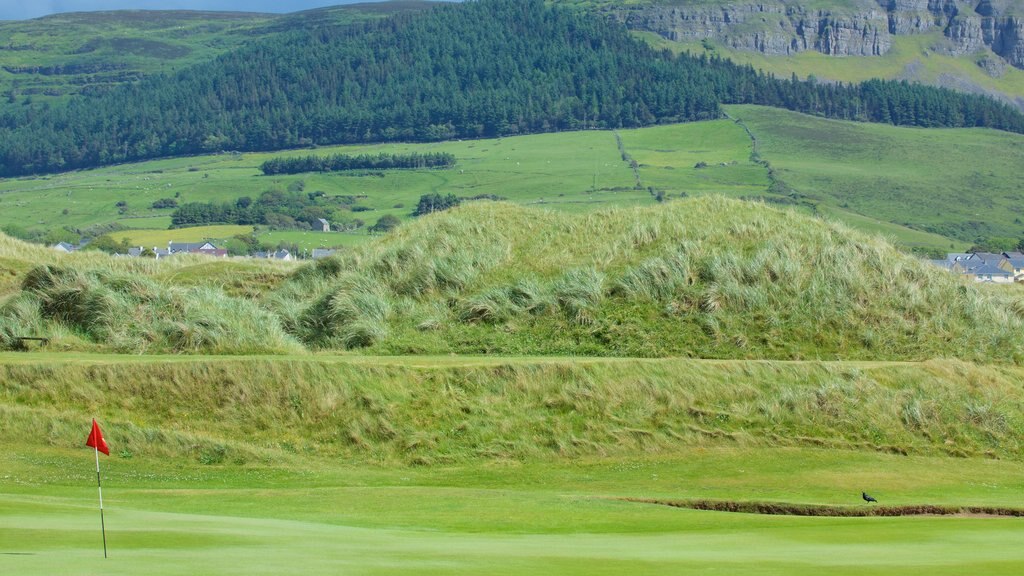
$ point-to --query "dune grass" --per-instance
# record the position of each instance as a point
(419, 412)
(508, 466)
(706, 277)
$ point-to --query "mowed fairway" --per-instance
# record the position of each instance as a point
(288, 505)
(169, 517)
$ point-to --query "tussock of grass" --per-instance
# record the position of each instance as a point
(109, 310)
(707, 277)
(436, 413)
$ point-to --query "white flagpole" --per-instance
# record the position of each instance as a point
(103, 526)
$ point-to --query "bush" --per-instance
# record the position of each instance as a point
(385, 223)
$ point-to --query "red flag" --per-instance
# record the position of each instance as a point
(96, 439)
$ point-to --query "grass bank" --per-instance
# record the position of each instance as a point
(424, 412)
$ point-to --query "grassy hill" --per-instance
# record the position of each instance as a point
(706, 277)
(935, 189)
(912, 58)
(62, 55)
(399, 466)
(962, 184)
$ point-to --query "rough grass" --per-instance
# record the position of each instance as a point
(422, 412)
(706, 278)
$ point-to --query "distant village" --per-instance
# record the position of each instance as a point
(1001, 268)
(201, 248)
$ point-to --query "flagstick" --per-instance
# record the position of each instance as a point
(103, 526)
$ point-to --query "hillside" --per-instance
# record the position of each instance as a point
(857, 173)
(434, 411)
(959, 184)
(974, 47)
(708, 278)
(466, 70)
(57, 57)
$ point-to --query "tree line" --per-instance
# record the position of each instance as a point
(274, 208)
(343, 162)
(468, 70)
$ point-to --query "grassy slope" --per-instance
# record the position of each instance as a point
(969, 169)
(705, 277)
(963, 184)
(289, 462)
(447, 411)
(122, 46)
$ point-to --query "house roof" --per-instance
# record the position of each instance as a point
(1016, 259)
(322, 221)
(189, 246)
(988, 257)
(65, 247)
(989, 270)
(322, 253)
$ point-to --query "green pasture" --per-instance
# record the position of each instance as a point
(574, 171)
(160, 238)
(956, 183)
(912, 57)
(309, 239)
(545, 517)
(941, 189)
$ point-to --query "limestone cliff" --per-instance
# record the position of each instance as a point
(850, 28)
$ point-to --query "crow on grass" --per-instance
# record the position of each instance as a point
(867, 498)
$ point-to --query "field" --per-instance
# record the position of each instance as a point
(961, 184)
(912, 57)
(61, 55)
(899, 182)
(160, 238)
(268, 503)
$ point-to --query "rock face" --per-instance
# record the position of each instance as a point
(852, 28)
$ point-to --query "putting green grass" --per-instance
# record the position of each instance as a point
(289, 508)
(557, 517)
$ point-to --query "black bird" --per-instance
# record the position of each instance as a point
(867, 498)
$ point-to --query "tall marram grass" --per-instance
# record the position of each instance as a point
(127, 313)
(417, 412)
(707, 277)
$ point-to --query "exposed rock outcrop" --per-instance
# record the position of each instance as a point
(852, 28)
